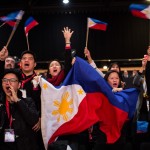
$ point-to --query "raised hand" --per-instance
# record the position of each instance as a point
(67, 34)
(3, 53)
(88, 55)
(13, 96)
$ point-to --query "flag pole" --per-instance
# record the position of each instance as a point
(2, 24)
(12, 33)
(28, 42)
(87, 34)
(19, 17)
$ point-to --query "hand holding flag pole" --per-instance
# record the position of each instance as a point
(18, 18)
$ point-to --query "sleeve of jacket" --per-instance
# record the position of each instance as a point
(147, 76)
(137, 80)
(95, 67)
(68, 60)
(28, 110)
(2, 116)
(1, 73)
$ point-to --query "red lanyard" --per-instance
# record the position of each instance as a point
(25, 81)
(8, 113)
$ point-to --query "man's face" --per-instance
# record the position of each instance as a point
(27, 63)
(8, 80)
(9, 63)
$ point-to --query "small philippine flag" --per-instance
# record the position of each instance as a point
(96, 24)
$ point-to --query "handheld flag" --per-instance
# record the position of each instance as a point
(18, 18)
(96, 24)
(140, 10)
(13, 16)
(29, 24)
(83, 99)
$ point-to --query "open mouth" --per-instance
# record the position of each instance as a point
(115, 84)
(8, 88)
(8, 65)
(26, 65)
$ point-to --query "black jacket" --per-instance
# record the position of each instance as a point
(24, 117)
(1, 73)
(30, 91)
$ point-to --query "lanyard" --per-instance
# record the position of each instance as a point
(24, 81)
(8, 113)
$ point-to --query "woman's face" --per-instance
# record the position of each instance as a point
(113, 80)
(115, 67)
(54, 68)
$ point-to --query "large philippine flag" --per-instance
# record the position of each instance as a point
(96, 24)
(83, 99)
(29, 24)
(140, 10)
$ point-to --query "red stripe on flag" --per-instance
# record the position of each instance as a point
(99, 27)
(30, 26)
(95, 107)
(11, 23)
(138, 14)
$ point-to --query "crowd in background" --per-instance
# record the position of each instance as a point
(20, 104)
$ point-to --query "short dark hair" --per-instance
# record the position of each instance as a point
(29, 52)
(112, 71)
(14, 71)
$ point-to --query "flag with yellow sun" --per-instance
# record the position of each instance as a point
(83, 99)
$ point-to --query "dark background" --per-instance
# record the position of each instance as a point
(127, 37)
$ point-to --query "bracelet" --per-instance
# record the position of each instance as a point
(68, 43)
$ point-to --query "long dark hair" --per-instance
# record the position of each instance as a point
(114, 63)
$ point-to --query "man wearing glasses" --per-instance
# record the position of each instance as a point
(18, 115)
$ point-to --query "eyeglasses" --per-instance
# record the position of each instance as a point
(12, 80)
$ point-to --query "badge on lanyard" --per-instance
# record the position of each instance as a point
(24, 93)
(9, 135)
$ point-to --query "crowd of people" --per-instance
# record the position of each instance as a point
(20, 104)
